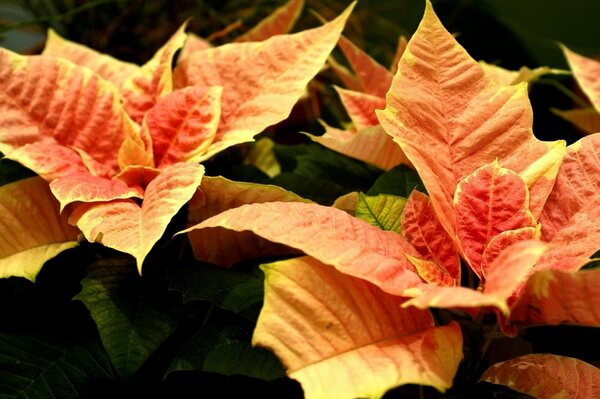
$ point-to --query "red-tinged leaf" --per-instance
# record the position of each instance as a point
(84, 187)
(281, 21)
(330, 235)
(546, 376)
(432, 272)
(586, 119)
(224, 247)
(577, 186)
(488, 202)
(502, 241)
(183, 124)
(109, 68)
(400, 47)
(31, 229)
(154, 79)
(361, 107)
(326, 326)
(450, 119)
(422, 229)
(507, 275)
(552, 297)
(586, 72)
(372, 77)
(372, 145)
(261, 80)
(125, 226)
(52, 101)
(575, 242)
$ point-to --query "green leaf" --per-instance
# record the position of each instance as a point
(239, 292)
(223, 346)
(320, 174)
(132, 313)
(381, 211)
(36, 366)
(400, 181)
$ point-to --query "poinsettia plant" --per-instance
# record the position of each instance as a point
(410, 250)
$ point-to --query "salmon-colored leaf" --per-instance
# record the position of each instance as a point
(192, 44)
(372, 145)
(586, 71)
(52, 101)
(422, 229)
(224, 247)
(505, 76)
(281, 21)
(137, 175)
(183, 124)
(325, 326)
(84, 187)
(154, 79)
(450, 118)
(552, 297)
(507, 275)
(500, 242)
(546, 376)
(330, 235)
(361, 107)
(488, 202)
(31, 229)
(128, 227)
(372, 77)
(586, 119)
(261, 80)
(109, 68)
(381, 211)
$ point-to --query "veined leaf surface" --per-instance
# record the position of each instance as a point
(128, 227)
(326, 326)
(261, 80)
(109, 68)
(330, 235)
(31, 229)
(225, 247)
(546, 376)
(361, 107)
(51, 101)
(449, 118)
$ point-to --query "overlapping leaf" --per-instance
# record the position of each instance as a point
(569, 219)
(109, 68)
(154, 79)
(47, 101)
(330, 235)
(449, 118)
(258, 96)
(326, 326)
(553, 297)
(224, 247)
(586, 71)
(546, 376)
(126, 226)
(507, 274)
(422, 229)
(31, 229)
(488, 202)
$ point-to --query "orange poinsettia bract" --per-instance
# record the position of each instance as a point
(521, 213)
(106, 133)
